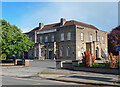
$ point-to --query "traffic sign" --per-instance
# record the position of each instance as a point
(117, 48)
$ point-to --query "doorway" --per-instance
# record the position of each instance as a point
(97, 52)
(88, 47)
(50, 54)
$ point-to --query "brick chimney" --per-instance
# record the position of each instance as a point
(62, 21)
(41, 25)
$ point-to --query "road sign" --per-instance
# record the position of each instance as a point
(117, 48)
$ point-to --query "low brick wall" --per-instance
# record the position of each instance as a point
(67, 65)
(98, 70)
(27, 62)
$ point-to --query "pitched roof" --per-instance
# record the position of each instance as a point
(67, 23)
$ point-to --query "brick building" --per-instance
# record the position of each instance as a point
(67, 40)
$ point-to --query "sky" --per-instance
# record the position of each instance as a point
(28, 15)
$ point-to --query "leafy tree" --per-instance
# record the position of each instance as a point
(113, 40)
(13, 40)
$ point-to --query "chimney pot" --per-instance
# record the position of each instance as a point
(41, 25)
(62, 21)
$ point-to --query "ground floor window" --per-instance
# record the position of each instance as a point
(36, 53)
(30, 53)
(42, 52)
(61, 51)
(68, 51)
(82, 51)
(79, 53)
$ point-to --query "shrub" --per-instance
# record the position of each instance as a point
(3, 56)
(111, 60)
(88, 58)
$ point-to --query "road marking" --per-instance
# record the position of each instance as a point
(65, 82)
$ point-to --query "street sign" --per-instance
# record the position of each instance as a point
(117, 48)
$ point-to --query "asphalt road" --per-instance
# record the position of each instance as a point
(31, 81)
(28, 75)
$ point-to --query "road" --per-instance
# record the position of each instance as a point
(28, 75)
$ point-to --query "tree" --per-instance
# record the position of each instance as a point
(113, 40)
(13, 40)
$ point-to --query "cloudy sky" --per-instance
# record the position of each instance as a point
(27, 15)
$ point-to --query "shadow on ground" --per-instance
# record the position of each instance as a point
(92, 78)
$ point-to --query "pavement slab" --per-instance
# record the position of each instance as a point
(79, 76)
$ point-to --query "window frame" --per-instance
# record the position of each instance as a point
(82, 50)
(52, 38)
(46, 38)
(91, 38)
(98, 38)
(82, 36)
(68, 51)
(69, 36)
(62, 37)
(61, 51)
(41, 39)
(103, 39)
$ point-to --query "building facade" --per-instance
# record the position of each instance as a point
(67, 40)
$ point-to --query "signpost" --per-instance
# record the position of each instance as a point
(118, 49)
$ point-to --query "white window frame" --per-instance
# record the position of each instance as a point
(68, 51)
(98, 38)
(41, 52)
(82, 51)
(69, 36)
(62, 36)
(91, 38)
(103, 40)
(35, 53)
(61, 51)
(46, 38)
(52, 38)
(82, 36)
(40, 38)
(79, 54)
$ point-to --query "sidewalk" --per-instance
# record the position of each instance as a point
(80, 77)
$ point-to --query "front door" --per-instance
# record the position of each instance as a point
(97, 52)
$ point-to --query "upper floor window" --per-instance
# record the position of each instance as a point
(98, 38)
(61, 51)
(40, 38)
(30, 38)
(68, 51)
(68, 36)
(52, 38)
(90, 37)
(82, 36)
(103, 41)
(62, 36)
(46, 38)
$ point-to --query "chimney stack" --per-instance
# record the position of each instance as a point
(41, 25)
(62, 21)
